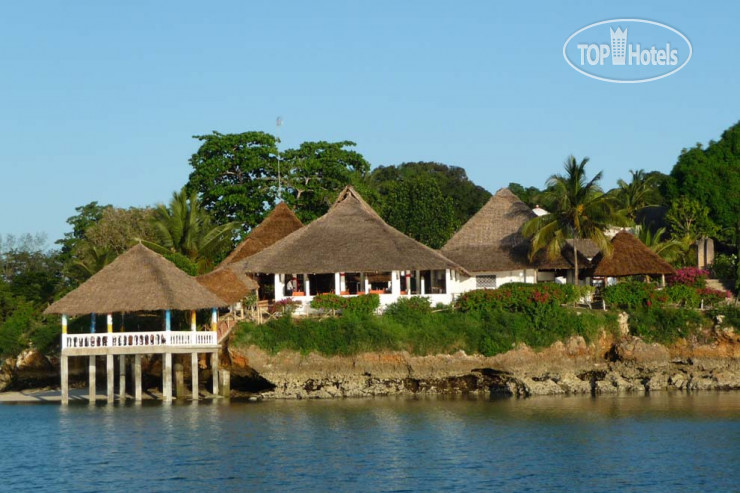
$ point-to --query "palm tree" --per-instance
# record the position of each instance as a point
(185, 227)
(640, 192)
(670, 249)
(89, 259)
(580, 210)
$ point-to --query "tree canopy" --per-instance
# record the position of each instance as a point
(711, 176)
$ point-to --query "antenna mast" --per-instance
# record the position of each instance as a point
(278, 124)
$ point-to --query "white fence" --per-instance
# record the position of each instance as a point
(139, 339)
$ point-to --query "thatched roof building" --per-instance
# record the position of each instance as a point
(491, 240)
(630, 257)
(228, 284)
(277, 225)
(351, 237)
(138, 280)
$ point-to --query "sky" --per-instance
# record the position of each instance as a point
(100, 100)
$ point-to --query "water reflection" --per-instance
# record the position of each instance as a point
(630, 443)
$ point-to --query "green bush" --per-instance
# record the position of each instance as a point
(329, 302)
(408, 308)
(725, 267)
(683, 295)
(13, 330)
(517, 297)
(422, 332)
(45, 336)
(363, 304)
(666, 325)
(629, 294)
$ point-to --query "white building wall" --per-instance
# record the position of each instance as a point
(464, 283)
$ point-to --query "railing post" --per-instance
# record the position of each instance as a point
(109, 359)
(194, 358)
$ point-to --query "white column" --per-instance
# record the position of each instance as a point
(342, 282)
(167, 377)
(395, 283)
(122, 377)
(337, 287)
(365, 283)
(64, 363)
(214, 370)
(194, 361)
(307, 284)
(423, 285)
(408, 282)
(91, 379)
(137, 377)
(109, 377)
(418, 282)
(279, 288)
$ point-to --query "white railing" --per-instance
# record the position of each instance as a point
(139, 339)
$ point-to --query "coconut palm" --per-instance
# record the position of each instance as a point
(579, 210)
(659, 241)
(640, 192)
(185, 227)
(89, 259)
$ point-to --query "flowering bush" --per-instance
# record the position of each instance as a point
(329, 301)
(286, 305)
(713, 297)
(690, 276)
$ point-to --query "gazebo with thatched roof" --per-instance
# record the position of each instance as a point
(348, 251)
(139, 280)
(630, 257)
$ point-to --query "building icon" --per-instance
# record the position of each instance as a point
(619, 45)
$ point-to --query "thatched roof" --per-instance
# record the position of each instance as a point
(564, 261)
(276, 226)
(585, 246)
(228, 284)
(491, 240)
(138, 280)
(630, 257)
(351, 237)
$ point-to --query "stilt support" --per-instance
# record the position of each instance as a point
(214, 370)
(91, 379)
(167, 377)
(109, 377)
(179, 379)
(65, 379)
(122, 377)
(194, 369)
(137, 377)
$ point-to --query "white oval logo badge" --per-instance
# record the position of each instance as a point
(627, 51)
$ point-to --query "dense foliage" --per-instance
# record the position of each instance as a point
(639, 294)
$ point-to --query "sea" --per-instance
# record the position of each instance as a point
(670, 442)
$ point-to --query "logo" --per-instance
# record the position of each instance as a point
(627, 51)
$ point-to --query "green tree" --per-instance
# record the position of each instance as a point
(711, 176)
(316, 172)
(467, 197)
(86, 216)
(532, 196)
(641, 191)
(185, 227)
(234, 175)
(578, 209)
(688, 218)
(118, 229)
(417, 207)
(89, 259)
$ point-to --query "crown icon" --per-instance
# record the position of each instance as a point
(619, 45)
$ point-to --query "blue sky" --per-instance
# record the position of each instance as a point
(99, 100)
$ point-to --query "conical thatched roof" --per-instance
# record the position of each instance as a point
(630, 257)
(138, 280)
(228, 284)
(276, 226)
(491, 240)
(351, 237)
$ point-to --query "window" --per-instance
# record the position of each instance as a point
(485, 282)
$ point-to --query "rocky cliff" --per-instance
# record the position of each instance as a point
(624, 364)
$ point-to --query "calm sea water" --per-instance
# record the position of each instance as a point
(661, 442)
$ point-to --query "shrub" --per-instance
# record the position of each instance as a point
(285, 306)
(12, 340)
(329, 301)
(689, 276)
(725, 267)
(666, 325)
(363, 304)
(629, 294)
(408, 308)
(183, 263)
(683, 295)
(517, 297)
(712, 297)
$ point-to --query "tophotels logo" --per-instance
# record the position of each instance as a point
(627, 50)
